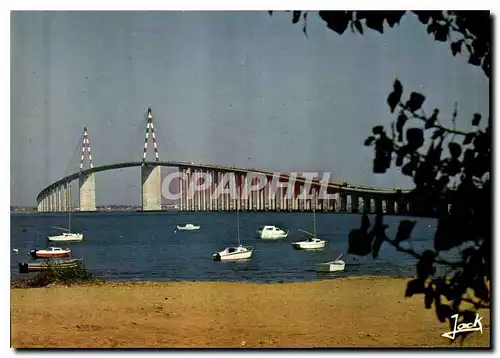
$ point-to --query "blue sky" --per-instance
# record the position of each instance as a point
(238, 88)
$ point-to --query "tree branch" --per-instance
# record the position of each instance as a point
(418, 256)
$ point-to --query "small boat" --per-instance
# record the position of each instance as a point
(312, 243)
(16, 251)
(234, 253)
(331, 266)
(188, 227)
(43, 265)
(239, 252)
(66, 236)
(50, 252)
(271, 232)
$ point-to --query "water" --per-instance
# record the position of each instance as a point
(131, 246)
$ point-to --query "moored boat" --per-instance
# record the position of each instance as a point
(239, 252)
(66, 237)
(271, 232)
(50, 252)
(331, 266)
(43, 265)
(234, 253)
(188, 227)
(312, 243)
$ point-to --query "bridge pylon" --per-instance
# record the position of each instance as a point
(150, 173)
(86, 181)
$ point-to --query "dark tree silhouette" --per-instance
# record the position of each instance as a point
(462, 178)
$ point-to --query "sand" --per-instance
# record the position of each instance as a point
(348, 312)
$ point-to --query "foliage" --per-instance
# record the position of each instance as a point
(58, 276)
(464, 30)
(460, 178)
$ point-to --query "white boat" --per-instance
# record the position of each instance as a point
(312, 243)
(188, 227)
(239, 252)
(66, 236)
(331, 266)
(271, 232)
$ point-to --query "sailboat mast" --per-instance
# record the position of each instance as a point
(238, 225)
(314, 222)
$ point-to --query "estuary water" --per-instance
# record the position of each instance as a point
(137, 246)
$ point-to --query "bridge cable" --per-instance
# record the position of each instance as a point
(142, 128)
(74, 162)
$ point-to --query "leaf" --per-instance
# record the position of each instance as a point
(415, 138)
(443, 312)
(378, 130)
(377, 244)
(415, 102)
(414, 286)
(408, 169)
(369, 140)
(296, 16)
(441, 33)
(423, 16)
(399, 159)
(474, 59)
(468, 138)
(336, 20)
(429, 297)
(304, 28)
(438, 133)
(425, 265)
(394, 17)
(359, 242)
(456, 47)
(404, 230)
(395, 96)
(365, 223)
(431, 121)
(476, 119)
(375, 22)
(400, 123)
(455, 149)
(359, 27)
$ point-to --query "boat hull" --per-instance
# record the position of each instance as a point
(41, 255)
(274, 237)
(334, 266)
(25, 267)
(224, 256)
(66, 238)
(188, 228)
(308, 245)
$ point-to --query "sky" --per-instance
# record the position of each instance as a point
(232, 88)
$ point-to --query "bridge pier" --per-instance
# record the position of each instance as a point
(151, 187)
(354, 203)
(87, 192)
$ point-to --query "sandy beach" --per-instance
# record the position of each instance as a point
(348, 312)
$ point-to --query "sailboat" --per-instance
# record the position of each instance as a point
(331, 266)
(66, 236)
(312, 243)
(239, 252)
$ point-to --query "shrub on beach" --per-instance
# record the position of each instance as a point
(58, 276)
